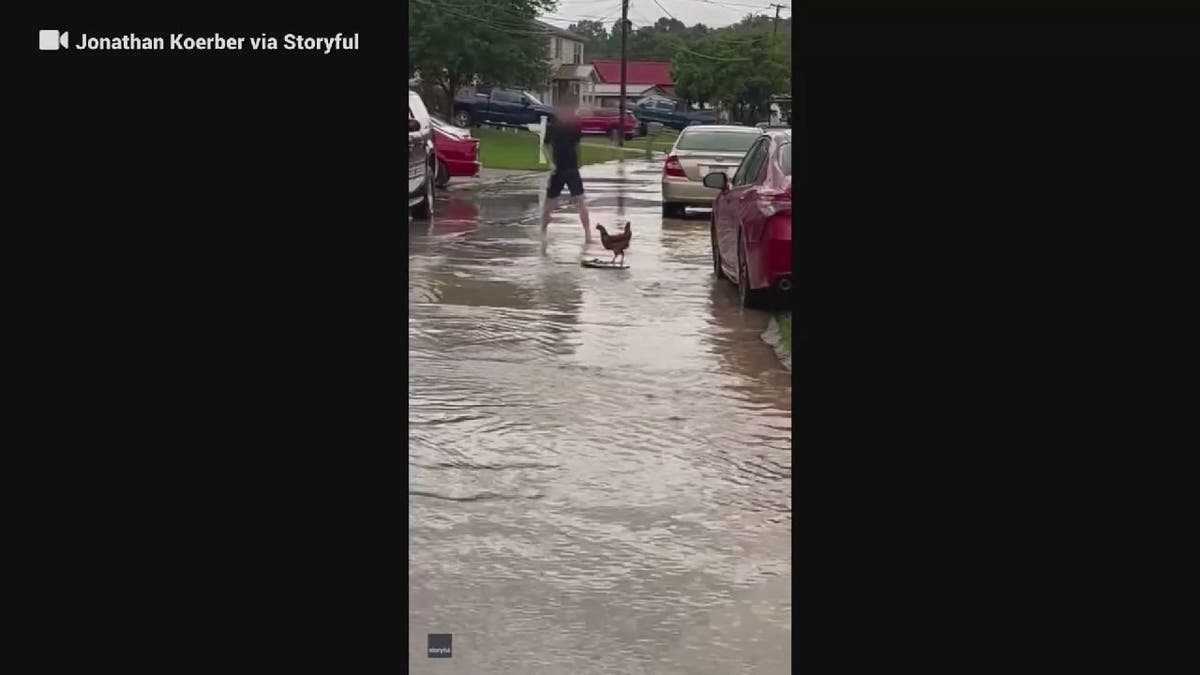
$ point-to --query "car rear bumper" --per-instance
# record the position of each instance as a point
(461, 168)
(685, 191)
(776, 264)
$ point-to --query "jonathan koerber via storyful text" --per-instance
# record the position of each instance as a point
(180, 41)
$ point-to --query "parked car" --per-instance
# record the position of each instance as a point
(421, 158)
(671, 114)
(457, 152)
(697, 152)
(751, 222)
(604, 121)
(508, 107)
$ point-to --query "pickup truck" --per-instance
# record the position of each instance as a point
(671, 114)
(506, 107)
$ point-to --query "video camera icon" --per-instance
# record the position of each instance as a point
(50, 39)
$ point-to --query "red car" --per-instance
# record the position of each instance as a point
(457, 153)
(752, 220)
(604, 121)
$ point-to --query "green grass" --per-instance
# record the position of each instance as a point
(785, 330)
(508, 150)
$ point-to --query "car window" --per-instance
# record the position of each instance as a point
(504, 97)
(532, 99)
(785, 159)
(697, 138)
(752, 162)
(416, 109)
(755, 171)
(739, 176)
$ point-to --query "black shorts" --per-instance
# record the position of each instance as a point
(568, 177)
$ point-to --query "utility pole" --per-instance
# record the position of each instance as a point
(624, 31)
(777, 8)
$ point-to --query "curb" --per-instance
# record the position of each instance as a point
(774, 338)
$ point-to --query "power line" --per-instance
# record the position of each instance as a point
(665, 10)
(706, 56)
(471, 6)
(730, 5)
(519, 28)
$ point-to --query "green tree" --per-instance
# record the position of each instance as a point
(742, 73)
(450, 42)
(596, 38)
(695, 77)
(650, 44)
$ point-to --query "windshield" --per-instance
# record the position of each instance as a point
(785, 159)
(532, 99)
(717, 141)
(416, 105)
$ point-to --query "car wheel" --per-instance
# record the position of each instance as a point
(750, 298)
(716, 251)
(641, 130)
(443, 174)
(425, 208)
(462, 118)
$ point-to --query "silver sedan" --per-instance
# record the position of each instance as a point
(699, 151)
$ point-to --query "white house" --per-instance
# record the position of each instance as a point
(573, 81)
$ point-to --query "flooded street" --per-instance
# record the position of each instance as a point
(600, 460)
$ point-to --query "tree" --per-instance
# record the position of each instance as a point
(596, 38)
(741, 72)
(695, 79)
(451, 42)
(670, 25)
(649, 44)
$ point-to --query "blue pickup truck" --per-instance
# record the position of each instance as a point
(505, 107)
(669, 113)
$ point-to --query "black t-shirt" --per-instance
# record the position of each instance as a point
(563, 138)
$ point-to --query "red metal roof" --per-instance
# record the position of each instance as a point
(636, 72)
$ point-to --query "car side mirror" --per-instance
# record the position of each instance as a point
(524, 101)
(717, 181)
(413, 125)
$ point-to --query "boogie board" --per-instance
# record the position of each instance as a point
(604, 264)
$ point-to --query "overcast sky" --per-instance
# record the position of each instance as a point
(712, 13)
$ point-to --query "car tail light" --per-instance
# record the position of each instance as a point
(770, 208)
(673, 167)
(775, 203)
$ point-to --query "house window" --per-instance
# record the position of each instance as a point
(558, 48)
(578, 52)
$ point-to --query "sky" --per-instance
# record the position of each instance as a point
(712, 13)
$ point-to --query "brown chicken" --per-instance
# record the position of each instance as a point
(617, 243)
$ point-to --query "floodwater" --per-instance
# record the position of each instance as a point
(599, 460)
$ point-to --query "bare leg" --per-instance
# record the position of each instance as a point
(585, 219)
(546, 208)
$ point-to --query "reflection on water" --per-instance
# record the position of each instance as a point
(600, 460)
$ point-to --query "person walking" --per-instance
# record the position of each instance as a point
(563, 137)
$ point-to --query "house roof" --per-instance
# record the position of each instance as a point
(555, 30)
(636, 72)
(575, 71)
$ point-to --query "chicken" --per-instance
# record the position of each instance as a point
(617, 243)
